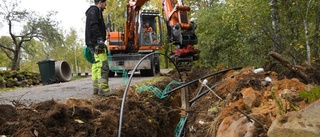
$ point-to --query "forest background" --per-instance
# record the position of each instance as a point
(231, 33)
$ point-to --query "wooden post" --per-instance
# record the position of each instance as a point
(184, 97)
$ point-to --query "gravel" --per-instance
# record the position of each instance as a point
(81, 88)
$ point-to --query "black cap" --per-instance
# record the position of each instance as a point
(96, 1)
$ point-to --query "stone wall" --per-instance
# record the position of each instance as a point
(18, 79)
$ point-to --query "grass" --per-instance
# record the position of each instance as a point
(278, 101)
(8, 89)
(152, 81)
(73, 78)
(311, 95)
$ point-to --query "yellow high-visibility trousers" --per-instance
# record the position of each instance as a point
(100, 72)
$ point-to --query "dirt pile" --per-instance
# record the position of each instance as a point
(144, 115)
(243, 93)
(251, 101)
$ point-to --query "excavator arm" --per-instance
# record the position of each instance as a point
(181, 33)
(130, 34)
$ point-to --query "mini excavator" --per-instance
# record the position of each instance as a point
(128, 47)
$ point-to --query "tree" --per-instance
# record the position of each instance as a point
(73, 48)
(275, 24)
(117, 10)
(32, 55)
(306, 29)
(317, 24)
(5, 62)
(36, 27)
(232, 28)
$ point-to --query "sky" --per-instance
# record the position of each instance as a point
(71, 13)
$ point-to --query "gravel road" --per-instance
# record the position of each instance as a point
(81, 88)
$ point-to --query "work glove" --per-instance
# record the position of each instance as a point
(101, 48)
(101, 44)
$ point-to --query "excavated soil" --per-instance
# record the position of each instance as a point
(145, 115)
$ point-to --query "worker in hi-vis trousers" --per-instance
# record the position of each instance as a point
(95, 49)
(100, 71)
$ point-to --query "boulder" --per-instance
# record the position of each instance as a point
(233, 126)
(303, 123)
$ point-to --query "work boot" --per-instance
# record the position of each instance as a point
(103, 86)
(104, 93)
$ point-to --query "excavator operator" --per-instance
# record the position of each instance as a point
(148, 33)
(147, 28)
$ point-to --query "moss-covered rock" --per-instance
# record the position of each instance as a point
(18, 79)
(2, 82)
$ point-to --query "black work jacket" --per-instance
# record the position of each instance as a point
(95, 27)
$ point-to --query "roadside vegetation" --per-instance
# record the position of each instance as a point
(230, 33)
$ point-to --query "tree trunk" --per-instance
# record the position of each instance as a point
(275, 19)
(16, 61)
(306, 31)
(291, 67)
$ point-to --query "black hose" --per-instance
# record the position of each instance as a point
(128, 84)
(175, 89)
(183, 125)
(211, 88)
(191, 82)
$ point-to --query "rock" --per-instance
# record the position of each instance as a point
(251, 97)
(22, 83)
(10, 82)
(241, 127)
(303, 123)
(290, 95)
(2, 82)
(18, 78)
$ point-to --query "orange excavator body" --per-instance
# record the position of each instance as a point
(133, 43)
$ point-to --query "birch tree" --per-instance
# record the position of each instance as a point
(275, 19)
(306, 27)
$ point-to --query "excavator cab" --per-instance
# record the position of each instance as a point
(150, 29)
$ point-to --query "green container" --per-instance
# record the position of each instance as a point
(47, 71)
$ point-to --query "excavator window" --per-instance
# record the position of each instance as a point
(149, 32)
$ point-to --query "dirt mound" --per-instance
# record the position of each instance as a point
(144, 115)
(242, 92)
(245, 94)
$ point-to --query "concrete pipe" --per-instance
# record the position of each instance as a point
(63, 71)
